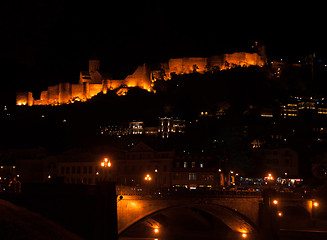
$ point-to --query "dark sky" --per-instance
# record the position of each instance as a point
(46, 42)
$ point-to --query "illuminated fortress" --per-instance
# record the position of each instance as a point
(92, 82)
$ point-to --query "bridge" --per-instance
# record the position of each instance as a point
(245, 213)
(103, 213)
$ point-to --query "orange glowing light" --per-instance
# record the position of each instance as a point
(105, 163)
(244, 235)
(147, 178)
(280, 214)
(316, 204)
(269, 177)
(275, 202)
(156, 230)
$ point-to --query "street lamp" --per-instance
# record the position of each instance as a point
(270, 177)
(148, 177)
(106, 163)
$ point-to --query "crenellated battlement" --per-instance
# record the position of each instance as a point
(92, 82)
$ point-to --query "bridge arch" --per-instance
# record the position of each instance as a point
(130, 212)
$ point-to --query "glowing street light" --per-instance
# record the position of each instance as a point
(244, 235)
(315, 204)
(147, 177)
(280, 214)
(156, 230)
(106, 163)
(269, 177)
(275, 202)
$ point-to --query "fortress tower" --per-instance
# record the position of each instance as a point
(94, 65)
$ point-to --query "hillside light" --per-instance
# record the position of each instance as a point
(156, 230)
(280, 214)
(244, 235)
(315, 204)
(275, 202)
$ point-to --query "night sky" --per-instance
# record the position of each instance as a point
(47, 42)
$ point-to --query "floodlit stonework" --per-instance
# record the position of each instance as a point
(92, 82)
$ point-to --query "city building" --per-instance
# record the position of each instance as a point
(303, 105)
(129, 169)
(136, 127)
(281, 162)
(137, 165)
(168, 126)
(196, 171)
(125, 166)
(114, 130)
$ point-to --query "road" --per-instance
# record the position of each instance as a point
(301, 234)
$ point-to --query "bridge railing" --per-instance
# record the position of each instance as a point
(196, 194)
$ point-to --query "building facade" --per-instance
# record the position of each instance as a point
(281, 162)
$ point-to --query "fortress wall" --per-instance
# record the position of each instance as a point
(113, 84)
(175, 65)
(91, 83)
(77, 91)
(216, 61)
(65, 93)
(236, 58)
(95, 89)
(86, 90)
(189, 63)
(243, 58)
(44, 98)
(24, 98)
(140, 78)
(53, 94)
(259, 60)
(186, 65)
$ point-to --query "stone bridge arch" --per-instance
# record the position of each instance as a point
(240, 214)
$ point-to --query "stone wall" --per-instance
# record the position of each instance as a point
(237, 213)
(140, 78)
(53, 95)
(65, 93)
(222, 62)
(92, 82)
(24, 98)
(77, 91)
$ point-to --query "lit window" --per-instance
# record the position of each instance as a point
(192, 176)
(201, 165)
(185, 164)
